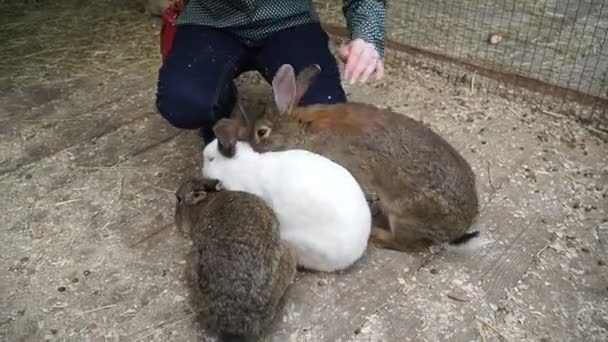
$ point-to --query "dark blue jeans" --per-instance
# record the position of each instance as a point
(196, 82)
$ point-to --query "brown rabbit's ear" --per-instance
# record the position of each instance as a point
(240, 115)
(195, 196)
(284, 88)
(244, 124)
(304, 79)
(227, 132)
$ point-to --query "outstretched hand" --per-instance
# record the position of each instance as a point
(362, 61)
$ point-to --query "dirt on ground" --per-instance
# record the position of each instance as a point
(88, 171)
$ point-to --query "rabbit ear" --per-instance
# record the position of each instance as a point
(245, 120)
(227, 131)
(195, 196)
(211, 184)
(219, 186)
(239, 114)
(304, 79)
(284, 88)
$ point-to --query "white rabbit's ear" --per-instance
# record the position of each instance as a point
(195, 196)
(226, 132)
(304, 79)
(284, 88)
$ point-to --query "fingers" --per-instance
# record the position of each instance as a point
(344, 53)
(365, 61)
(362, 61)
(368, 72)
(354, 60)
(379, 70)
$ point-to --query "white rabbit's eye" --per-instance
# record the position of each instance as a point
(210, 159)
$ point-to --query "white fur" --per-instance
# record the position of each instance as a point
(467, 249)
(471, 246)
(321, 208)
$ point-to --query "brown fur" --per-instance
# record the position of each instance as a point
(425, 187)
(155, 8)
(341, 120)
(239, 269)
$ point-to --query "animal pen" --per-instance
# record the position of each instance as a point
(556, 48)
(88, 171)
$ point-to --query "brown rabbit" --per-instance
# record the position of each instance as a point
(156, 8)
(240, 269)
(426, 189)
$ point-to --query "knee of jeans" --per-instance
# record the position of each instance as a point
(185, 111)
(328, 93)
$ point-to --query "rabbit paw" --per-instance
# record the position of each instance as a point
(383, 238)
(373, 202)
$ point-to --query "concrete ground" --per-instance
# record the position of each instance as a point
(89, 251)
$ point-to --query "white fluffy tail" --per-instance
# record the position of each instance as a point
(468, 243)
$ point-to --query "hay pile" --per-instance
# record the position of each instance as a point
(50, 40)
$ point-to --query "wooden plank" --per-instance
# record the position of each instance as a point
(425, 309)
(54, 179)
(68, 118)
(328, 307)
(495, 140)
(566, 278)
(40, 99)
(91, 207)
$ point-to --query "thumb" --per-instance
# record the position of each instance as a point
(344, 52)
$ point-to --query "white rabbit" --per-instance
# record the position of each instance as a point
(321, 208)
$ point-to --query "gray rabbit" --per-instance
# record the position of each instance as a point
(155, 8)
(240, 270)
(426, 189)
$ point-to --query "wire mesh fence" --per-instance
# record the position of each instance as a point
(563, 43)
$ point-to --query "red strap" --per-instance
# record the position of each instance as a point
(167, 31)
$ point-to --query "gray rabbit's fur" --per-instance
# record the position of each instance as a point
(155, 8)
(239, 269)
(426, 189)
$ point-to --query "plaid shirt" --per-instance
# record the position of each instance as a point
(253, 20)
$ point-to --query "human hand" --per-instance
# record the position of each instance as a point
(361, 60)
